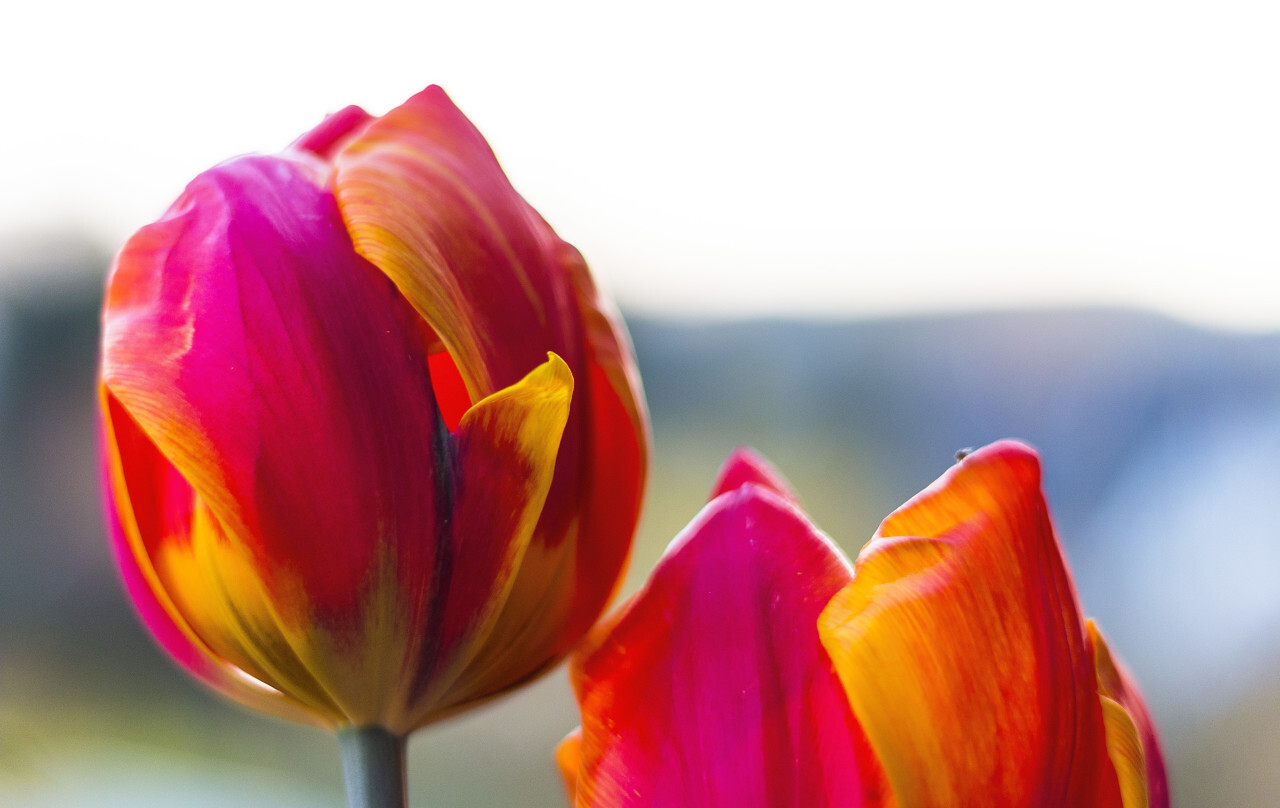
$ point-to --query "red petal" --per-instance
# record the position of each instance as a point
(710, 687)
(747, 466)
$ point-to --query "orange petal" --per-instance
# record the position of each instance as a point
(569, 761)
(960, 645)
(426, 201)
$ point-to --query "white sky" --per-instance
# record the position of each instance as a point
(722, 158)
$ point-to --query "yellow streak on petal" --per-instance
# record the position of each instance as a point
(530, 415)
(215, 583)
(223, 675)
(877, 631)
(1125, 749)
(1124, 743)
(397, 197)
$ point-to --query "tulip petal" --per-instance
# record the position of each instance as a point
(1131, 736)
(747, 466)
(248, 341)
(961, 648)
(334, 132)
(710, 687)
(1125, 749)
(592, 510)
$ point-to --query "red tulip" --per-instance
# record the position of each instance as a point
(966, 674)
(374, 446)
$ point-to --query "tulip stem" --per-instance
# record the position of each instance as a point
(373, 766)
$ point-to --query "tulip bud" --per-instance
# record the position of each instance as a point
(374, 447)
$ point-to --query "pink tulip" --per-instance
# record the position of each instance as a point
(374, 445)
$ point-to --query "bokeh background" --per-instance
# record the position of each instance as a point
(856, 237)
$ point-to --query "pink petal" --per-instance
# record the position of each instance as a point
(748, 466)
(710, 687)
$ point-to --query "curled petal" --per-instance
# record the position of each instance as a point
(334, 132)
(504, 453)
(1131, 736)
(592, 511)
(961, 647)
(710, 687)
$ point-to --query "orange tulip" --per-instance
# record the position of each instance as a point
(374, 446)
(966, 673)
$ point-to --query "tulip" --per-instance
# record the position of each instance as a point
(374, 446)
(949, 667)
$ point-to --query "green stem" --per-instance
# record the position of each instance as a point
(373, 766)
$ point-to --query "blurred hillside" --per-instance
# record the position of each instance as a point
(1161, 445)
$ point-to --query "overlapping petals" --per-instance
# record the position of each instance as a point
(426, 201)
(329, 499)
(970, 676)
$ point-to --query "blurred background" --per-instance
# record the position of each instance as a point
(856, 237)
